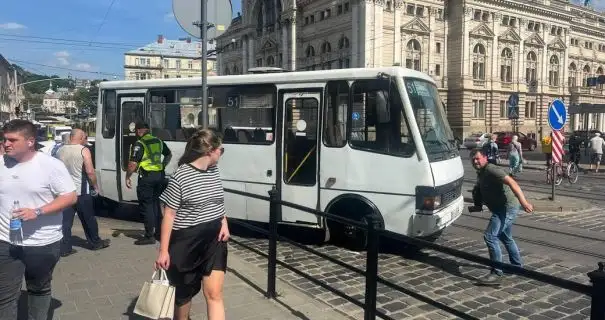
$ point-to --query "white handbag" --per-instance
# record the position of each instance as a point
(156, 300)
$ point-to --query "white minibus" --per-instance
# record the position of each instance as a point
(349, 142)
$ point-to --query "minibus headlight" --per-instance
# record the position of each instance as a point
(431, 202)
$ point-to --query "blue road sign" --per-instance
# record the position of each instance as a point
(355, 115)
(557, 115)
(513, 100)
(513, 112)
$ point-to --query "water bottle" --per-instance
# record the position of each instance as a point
(16, 230)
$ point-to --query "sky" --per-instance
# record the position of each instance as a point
(88, 38)
(83, 38)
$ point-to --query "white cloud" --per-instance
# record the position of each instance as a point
(63, 61)
(84, 66)
(169, 17)
(62, 57)
(12, 26)
(62, 54)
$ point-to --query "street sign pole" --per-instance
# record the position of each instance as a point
(557, 117)
(552, 167)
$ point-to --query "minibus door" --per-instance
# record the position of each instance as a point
(300, 145)
(132, 109)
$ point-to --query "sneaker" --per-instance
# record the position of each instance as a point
(475, 208)
(101, 245)
(145, 241)
(68, 253)
(490, 279)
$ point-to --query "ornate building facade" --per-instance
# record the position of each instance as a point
(478, 51)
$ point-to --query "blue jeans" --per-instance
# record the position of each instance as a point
(86, 213)
(499, 229)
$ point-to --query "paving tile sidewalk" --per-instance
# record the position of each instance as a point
(105, 284)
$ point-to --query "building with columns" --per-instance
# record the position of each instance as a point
(478, 51)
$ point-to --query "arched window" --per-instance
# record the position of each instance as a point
(599, 73)
(506, 65)
(573, 70)
(326, 47)
(553, 73)
(479, 62)
(270, 61)
(413, 55)
(531, 67)
(310, 52)
(235, 70)
(343, 43)
(585, 75)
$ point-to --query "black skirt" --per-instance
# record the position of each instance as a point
(194, 253)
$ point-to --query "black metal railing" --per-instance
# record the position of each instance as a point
(374, 232)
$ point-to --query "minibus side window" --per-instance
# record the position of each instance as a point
(377, 120)
(109, 114)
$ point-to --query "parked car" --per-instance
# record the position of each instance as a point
(504, 139)
(476, 140)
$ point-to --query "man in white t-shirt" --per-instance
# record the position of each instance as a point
(596, 144)
(43, 188)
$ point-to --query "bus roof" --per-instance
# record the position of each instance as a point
(286, 77)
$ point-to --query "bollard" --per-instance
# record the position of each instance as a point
(272, 263)
(371, 268)
(597, 306)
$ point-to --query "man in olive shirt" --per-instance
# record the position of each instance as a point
(504, 198)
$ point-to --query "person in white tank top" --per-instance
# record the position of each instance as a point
(78, 161)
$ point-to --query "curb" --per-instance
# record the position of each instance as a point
(551, 209)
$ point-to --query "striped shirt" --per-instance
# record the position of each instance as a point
(196, 195)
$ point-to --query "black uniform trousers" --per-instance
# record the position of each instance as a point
(149, 188)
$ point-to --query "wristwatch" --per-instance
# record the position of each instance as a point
(38, 212)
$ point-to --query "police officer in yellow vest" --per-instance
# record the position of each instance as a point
(147, 155)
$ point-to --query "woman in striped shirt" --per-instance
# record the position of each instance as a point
(193, 245)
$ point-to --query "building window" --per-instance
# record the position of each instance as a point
(479, 15)
(503, 109)
(599, 73)
(190, 64)
(571, 81)
(478, 109)
(259, 62)
(438, 70)
(531, 68)
(509, 21)
(479, 62)
(339, 9)
(310, 52)
(326, 48)
(178, 64)
(506, 66)
(585, 75)
(270, 61)
(346, 7)
(533, 26)
(166, 63)
(413, 55)
(438, 47)
(553, 73)
(530, 109)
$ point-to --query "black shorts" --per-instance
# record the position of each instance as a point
(194, 253)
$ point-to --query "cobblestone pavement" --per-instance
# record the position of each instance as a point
(436, 276)
(105, 284)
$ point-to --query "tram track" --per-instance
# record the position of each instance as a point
(545, 243)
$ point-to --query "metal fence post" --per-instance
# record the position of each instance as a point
(597, 306)
(371, 268)
(272, 263)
